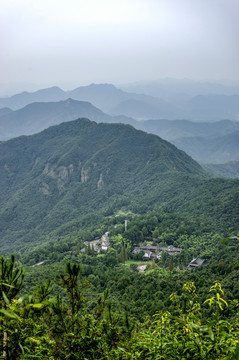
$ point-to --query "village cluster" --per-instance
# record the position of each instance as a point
(150, 251)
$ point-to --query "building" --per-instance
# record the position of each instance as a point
(151, 251)
(196, 262)
(99, 244)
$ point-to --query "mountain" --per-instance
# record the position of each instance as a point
(214, 142)
(144, 110)
(201, 107)
(18, 101)
(76, 173)
(216, 150)
(228, 170)
(39, 116)
(5, 111)
(104, 96)
(197, 139)
(180, 90)
(213, 108)
(174, 129)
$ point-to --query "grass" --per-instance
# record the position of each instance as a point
(137, 262)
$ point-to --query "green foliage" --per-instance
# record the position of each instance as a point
(57, 184)
(58, 328)
(11, 279)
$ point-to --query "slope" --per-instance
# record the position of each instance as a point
(81, 167)
(36, 117)
(76, 173)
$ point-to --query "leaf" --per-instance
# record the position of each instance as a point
(5, 298)
(2, 283)
(225, 240)
(211, 335)
(224, 301)
(38, 306)
(22, 349)
(229, 238)
(9, 314)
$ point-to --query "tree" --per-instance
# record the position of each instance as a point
(11, 279)
(123, 253)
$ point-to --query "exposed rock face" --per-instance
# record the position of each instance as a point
(7, 169)
(84, 175)
(61, 174)
(71, 168)
(45, 189)
(100, 183)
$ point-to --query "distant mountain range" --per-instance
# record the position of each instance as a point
(216, 150)
(36, 117)
(177, 91)
(206, 142)
(174, 129)
(108, 98)
(104, 96)
(229, 170)
(215, 142)
(213, 107)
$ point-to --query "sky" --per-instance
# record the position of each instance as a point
(77, 42)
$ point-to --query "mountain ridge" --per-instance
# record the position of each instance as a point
(78, 172)
(103, 96)
(82, 167)
(38, 116)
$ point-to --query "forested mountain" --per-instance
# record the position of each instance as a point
(51, 180)
(36, 117)
(80, 167)
(79, 180)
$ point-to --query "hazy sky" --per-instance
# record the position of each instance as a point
(70, 42)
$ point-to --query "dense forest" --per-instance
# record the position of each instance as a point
(162, 314)
(62, 298)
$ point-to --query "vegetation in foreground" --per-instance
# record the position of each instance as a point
(67, 326)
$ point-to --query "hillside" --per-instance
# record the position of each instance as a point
(80, 167)
(38, 116)
(51, 181)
